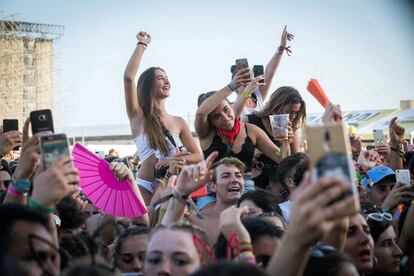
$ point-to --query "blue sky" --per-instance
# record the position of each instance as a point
(360, 50)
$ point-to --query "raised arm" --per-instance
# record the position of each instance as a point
(131, 98)
(313, 215)
(273, 63)
(190, 179)
(201, 123)
(396, 143)
(238, 106)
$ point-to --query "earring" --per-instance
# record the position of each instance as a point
(375, 261)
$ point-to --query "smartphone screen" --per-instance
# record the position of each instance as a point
(53, 147)
(257, 71)
(41, 120)
(403, 176)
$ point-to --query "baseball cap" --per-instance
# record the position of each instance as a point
(375, 175)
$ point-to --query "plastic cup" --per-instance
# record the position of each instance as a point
(279, 125)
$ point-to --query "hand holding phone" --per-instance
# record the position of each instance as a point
(403, 176)
(258, 70)
(41, 120)
(53, 147)
(330, 155)
(241, 63)
(379, 137)
(11, 125)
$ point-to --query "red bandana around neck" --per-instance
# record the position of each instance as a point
(231, 134)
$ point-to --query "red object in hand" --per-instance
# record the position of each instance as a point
(316, 90)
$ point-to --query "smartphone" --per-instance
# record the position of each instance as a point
(257, 71)
(100, 153)
(379, 137)
(53, 147)
(10, 125)
(41, 120)
(330, 155)
(241, 64)
(403, 176)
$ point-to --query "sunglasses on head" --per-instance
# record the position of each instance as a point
(379, 217)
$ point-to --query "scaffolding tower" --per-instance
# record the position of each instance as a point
(26, 67)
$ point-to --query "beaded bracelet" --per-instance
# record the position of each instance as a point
(39, 206)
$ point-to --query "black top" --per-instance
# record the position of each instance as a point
(245, 155)
(256, 120)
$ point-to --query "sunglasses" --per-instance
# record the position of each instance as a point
(259, 165)
(379, 217)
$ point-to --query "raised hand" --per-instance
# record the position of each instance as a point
(194, 177)
(396, 132)
(29, 157)
(285, 37)
(254, 84)
(121, 171)
(144, 37)
(401, 193)
(313, 213)
(384, 151)
(50, 186)
(241, 78)
(332, 113)
(230, 222)
(9, 140)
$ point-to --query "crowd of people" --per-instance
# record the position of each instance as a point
(261, 212)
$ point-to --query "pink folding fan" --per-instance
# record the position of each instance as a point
(97, 181)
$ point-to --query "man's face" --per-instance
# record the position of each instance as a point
(229, 184)
(379, 192)
(281, 192)
(43, 258)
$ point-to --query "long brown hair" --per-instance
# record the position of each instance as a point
(285, 95)
(153, 126)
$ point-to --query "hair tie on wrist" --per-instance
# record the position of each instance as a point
(142, 43)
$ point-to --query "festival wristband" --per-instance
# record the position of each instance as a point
(13, 192)
(39, 206)
(232, 87)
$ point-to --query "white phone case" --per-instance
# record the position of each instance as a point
(403, 176)
(379, 137)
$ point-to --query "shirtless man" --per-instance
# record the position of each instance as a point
(226, 182)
